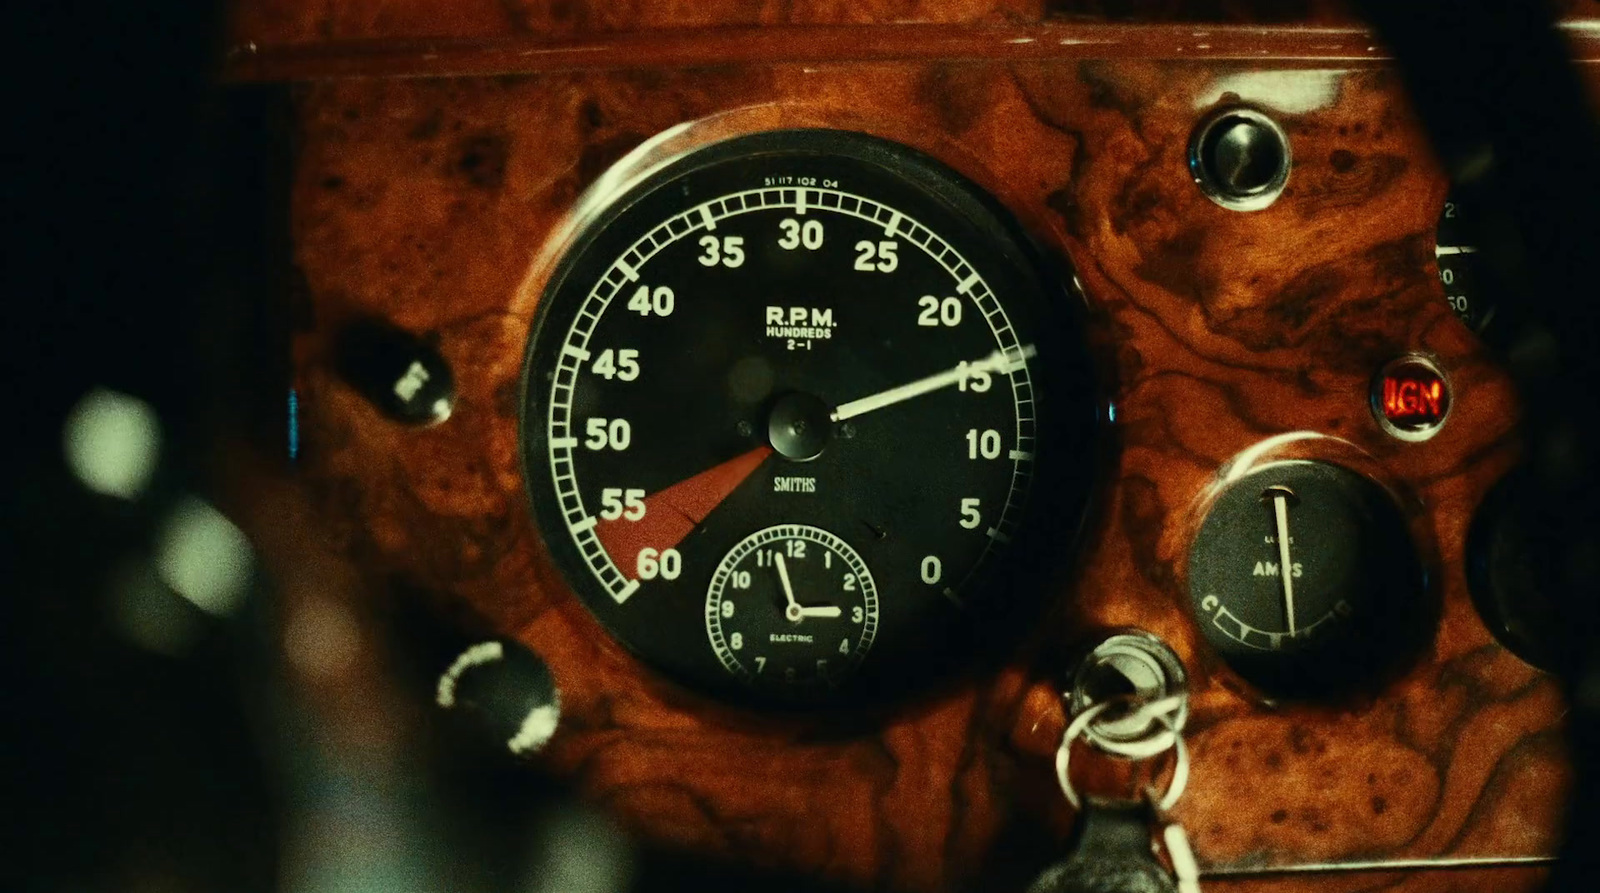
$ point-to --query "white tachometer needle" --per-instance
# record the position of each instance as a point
(793, 611)
(999, 363)
(1280, 507)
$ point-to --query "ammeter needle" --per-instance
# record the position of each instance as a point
(1280, 507)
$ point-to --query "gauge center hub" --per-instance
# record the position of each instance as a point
(799, 427)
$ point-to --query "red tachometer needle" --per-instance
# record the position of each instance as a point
(672, 513)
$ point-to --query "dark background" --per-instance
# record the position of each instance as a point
(135, 211)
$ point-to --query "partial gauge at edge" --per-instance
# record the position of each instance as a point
(1466, 290)
(812, 329)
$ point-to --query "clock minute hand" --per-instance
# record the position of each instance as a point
(783, 577)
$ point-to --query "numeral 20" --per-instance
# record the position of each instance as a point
(939, 313)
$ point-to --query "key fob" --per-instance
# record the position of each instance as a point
(1112, 853)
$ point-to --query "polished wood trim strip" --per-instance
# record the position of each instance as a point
(1437, 864)
(252, 62)
(827, 43)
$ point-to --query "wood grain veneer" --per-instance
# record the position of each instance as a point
(426, 201)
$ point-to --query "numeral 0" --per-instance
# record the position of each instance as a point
(932, 569)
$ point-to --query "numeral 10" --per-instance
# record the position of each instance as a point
(986, 444)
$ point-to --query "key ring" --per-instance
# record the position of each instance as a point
(1160, 711)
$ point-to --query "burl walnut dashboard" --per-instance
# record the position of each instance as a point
(807, 385)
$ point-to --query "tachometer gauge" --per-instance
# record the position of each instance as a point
(783, 406)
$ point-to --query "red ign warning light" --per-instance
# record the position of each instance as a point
(1411, 398)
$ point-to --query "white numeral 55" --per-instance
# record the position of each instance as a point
(616, 502)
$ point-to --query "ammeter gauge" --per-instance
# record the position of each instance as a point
(1305, 578)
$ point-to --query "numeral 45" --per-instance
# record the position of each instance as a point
(621, 363)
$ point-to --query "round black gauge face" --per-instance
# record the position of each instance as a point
(817, 338)
(791, 605)
(1304, 577)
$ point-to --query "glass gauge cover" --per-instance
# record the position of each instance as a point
(792, 605)
(811, 331)
(1305, 579)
